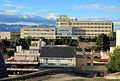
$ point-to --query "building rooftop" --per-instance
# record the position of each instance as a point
(63, 52)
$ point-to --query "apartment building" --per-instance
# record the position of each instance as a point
(48, 33)
(25, 61)
(85, 28)
(5, 35)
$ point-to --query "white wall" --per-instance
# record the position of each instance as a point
(117, 38)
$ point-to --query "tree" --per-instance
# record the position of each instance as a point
(80, 38)
(114, 63)
(102, 42)
(111, 36)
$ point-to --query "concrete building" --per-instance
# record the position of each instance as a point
(48, 33)
(85, 28)
(55, 57)
(117, 41)
(25, 61)
(5, 35)
(117, 38)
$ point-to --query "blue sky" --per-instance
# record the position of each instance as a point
(50, 9)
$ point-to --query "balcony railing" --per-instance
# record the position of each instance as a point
(21, 69)
(21, 62)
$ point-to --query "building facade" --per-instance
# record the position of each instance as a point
(55, 56)
(5, 35)
(85, 28)
(48, 33)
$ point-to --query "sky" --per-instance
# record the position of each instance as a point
(46, 11)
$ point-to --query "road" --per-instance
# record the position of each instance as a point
(63, 77)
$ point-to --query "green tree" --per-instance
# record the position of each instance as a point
(80, 38)
(111, 36)
(114, 63)
(102, 42)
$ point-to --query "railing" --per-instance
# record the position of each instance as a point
(21, 62)
(21, 69)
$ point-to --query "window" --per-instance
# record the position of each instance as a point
(109, 23)
(84, 23)
(91, 27)
(106, 27)
(77, 23)
(91, 23)
(95, 27)
(106, 23)
(95, 23)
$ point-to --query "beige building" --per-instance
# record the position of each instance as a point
(85, 28)
(29, 55)
(48, 33)
(5, 35)
(118, 38)
(117, 41)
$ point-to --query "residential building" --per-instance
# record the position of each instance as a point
(85, 28)
(117, 41)
(5, 35)
(25, 61)
(48, 33)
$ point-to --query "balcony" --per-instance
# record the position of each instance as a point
(8, 62)
(21, 69)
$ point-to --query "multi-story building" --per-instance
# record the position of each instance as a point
(85, 28)
(25, 61)
(5, 35)
(48, 33)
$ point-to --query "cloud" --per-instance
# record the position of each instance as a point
(14, 16)
(102, 18)
(9, 12)
(52, 15)
(19, 7)
(99, 7)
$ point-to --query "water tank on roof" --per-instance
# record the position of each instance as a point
(18, 48)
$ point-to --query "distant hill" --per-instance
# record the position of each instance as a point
(16, 28)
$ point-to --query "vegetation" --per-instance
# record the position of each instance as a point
(114, 63)
(112, 37)
(63, 41)
(25, 43)
(89, 39)
(102, 43)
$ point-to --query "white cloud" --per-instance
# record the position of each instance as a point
(52, 15)
(102, 18)
(19, 7)
(98, 7)
(9, 12)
